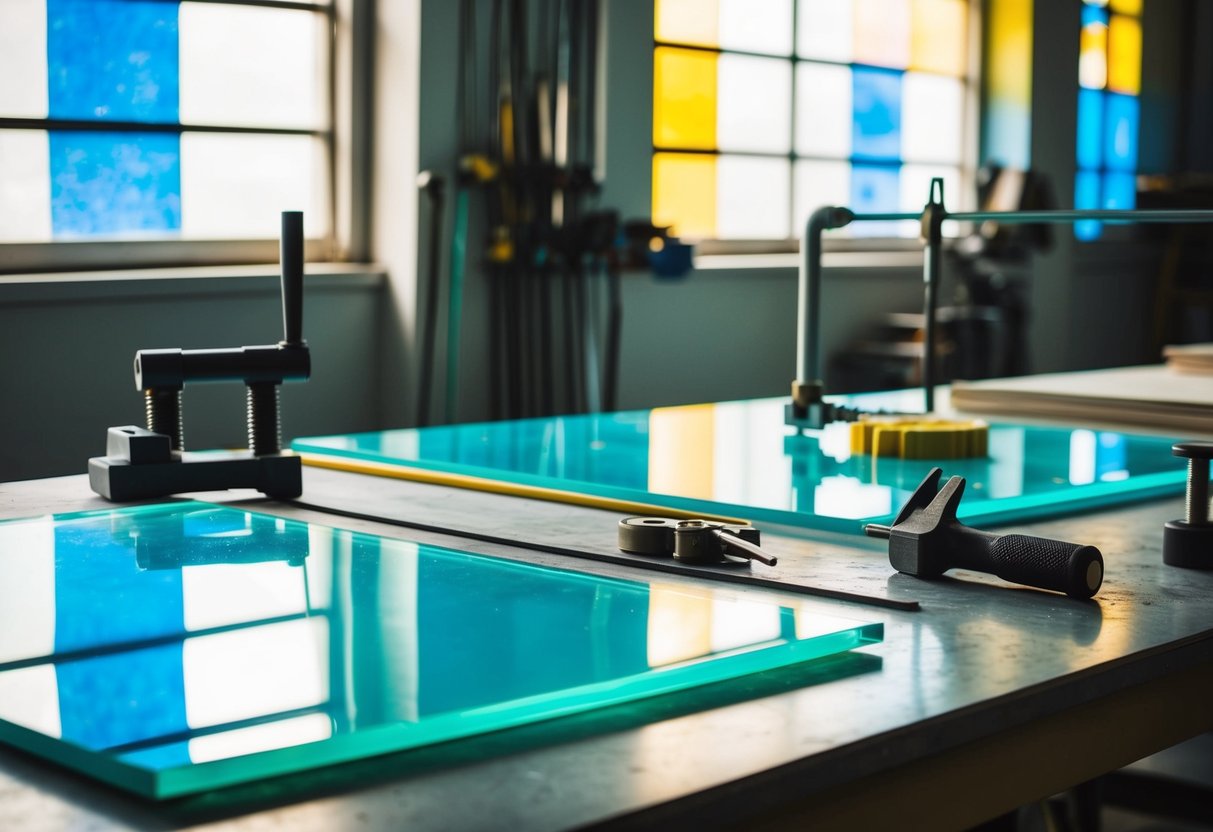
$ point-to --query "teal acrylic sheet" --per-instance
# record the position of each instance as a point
(740, 459)
(176, 648)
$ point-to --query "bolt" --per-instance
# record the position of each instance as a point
(1198, 455)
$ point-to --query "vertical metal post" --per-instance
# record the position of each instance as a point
(932, 255)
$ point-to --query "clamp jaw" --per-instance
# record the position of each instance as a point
(926, 539)
(143, 463)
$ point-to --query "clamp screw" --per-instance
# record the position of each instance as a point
(1198, 455)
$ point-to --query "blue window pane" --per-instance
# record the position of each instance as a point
(1090, 128)
(1086, 196)
(1119, 191)
(1094, 14)
(114, 183)
(112, 59)
(875, 189)
(876, 98)
(1120, 132)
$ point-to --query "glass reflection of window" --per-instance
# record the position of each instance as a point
(687, 624)
(1109, 80)
(29, 696)
(847, 497)
(764, 111)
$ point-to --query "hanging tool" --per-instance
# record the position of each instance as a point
(696, 542)
(926, 540)
(432, 185)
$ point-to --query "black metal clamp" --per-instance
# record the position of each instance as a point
(152, 461)
(698, 542)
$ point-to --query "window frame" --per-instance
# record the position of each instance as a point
(971, 81)
(347, 39)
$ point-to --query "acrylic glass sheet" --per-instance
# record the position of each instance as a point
(739, 459)
(175, 648)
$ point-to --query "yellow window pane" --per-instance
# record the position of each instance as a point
(1124, 54)
(684, 98)
(881, 29)
(687, 21)
(1093, 57)
(684, 193)
(1132, 7)
(938, 36)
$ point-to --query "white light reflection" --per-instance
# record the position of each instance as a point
(27, 589)
(256, 671)
(29, 697)
(257, 738)
(848, 498)
(687, 624)
(1082, 457)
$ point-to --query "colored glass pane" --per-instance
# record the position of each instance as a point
(756, 26)
(938, 36)
(251, 66)
(747, 117)
(684, 193)
(235, 186)
(1093, 56)
(823, 110)
(23, 59)
(932, 118)
(25, 186)
(1132, 7)
(1119, 191)
(1008, 83)
(819, 183)
(1121, 115)
(1124, 55)
(114, 184)
(823, 29)
(112, 59)
(875, 189)
(882, 32)
(876, 125)
(1090, 128)
(687, 21)
(752, 198)
(1086, 196)
(684, 98)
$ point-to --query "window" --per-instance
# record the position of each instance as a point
(766, 109)
(1109, 80)
(156, 120)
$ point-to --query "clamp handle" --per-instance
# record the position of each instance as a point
(290, 252)
(1072, 568)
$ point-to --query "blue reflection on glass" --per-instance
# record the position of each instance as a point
(114, 183)
(1120, 132)
(1090, 128)
(1086, 196)
(1111, 457)
(112, 59)
(1119, 191)
(1094, 15)
(876, 128)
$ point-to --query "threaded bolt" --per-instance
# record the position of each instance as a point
(1198, 455)
(163, 409)
(264, 419)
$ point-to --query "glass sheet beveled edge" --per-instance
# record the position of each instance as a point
(185, 780)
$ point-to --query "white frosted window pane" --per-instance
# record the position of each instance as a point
(931, 118)
(752, 198)
(250, 66)
(823, 30)
(237, 186)
(819, 184)
(752, 104)
(23, 58)
(756, 26)
(916, 187)
(823, 110)
(25, 186)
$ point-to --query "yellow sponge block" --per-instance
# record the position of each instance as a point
(916, 437)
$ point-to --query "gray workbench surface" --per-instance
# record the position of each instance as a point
(1008, 693)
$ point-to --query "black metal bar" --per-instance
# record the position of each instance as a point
(98, 126)
(932, 257)
(291, 255)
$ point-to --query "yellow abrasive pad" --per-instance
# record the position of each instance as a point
(918, 437)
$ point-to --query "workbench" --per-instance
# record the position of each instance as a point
(987, 698)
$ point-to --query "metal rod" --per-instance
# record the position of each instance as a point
(1025, 217)
(291, 258)
(877, 530)
(916, 216)
(932, 255)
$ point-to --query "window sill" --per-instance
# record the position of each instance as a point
(850, 260)
(143, 283)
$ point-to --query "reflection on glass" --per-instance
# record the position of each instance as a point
(394, 645)
(1124, 54)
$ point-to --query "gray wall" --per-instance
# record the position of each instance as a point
(67, 343)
